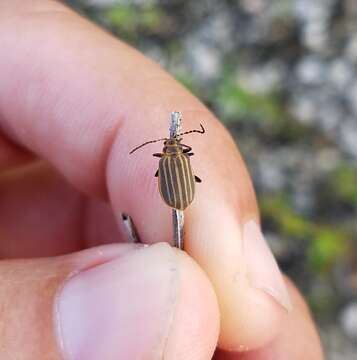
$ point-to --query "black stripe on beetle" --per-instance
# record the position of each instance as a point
(176, 179)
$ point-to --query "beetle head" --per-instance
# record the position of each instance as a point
(172, 142)
(171, 146)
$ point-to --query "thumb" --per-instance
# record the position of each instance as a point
(110, 302)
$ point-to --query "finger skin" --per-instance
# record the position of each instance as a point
(85, 100)
(48, 209)
(298, 338)
(27, 292)
(117, 101)
(47, 216)
(36, 301)
(11, 155)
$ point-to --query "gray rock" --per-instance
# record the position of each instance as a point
(312, 11)
(350, 6)
(330, 113)
(304, 108)
(336, 345)
(327, 159)
(270, 172)
(311, 71)
(348, 320)
(348, 136)
(218, 31)
(352, 97)
(315, 36)
(340, 73)
(262, 79)
(351, 48)
(203, 59)
(314, 17)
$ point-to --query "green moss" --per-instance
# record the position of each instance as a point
(290, 224)
(325, 243)
(325, 248)
(129, 18)
(122, 16)
(344, 182)
(323, 300)
(237, 102)
(151, 18)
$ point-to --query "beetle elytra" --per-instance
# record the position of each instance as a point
(176, 180)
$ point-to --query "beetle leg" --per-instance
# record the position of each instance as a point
(159, 155)
(157, 173)
(188, 148)
(198, 180)
(190, 154)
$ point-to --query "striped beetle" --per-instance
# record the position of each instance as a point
(175, 177)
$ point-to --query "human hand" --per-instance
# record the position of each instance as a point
(80, 100)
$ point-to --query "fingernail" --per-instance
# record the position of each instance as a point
(121, 309)
(263, 270)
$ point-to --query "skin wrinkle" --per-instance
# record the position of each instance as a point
(11, 154)
(56, 313)
(82, 228)
(107, 151)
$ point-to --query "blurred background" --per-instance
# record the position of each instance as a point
(282, 76)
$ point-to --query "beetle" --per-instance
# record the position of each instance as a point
(176, 180)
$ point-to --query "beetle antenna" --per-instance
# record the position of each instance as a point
(202, 131)
(148, 142)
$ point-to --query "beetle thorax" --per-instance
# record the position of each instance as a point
(172, 147)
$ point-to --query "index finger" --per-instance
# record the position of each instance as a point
(85, 100)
